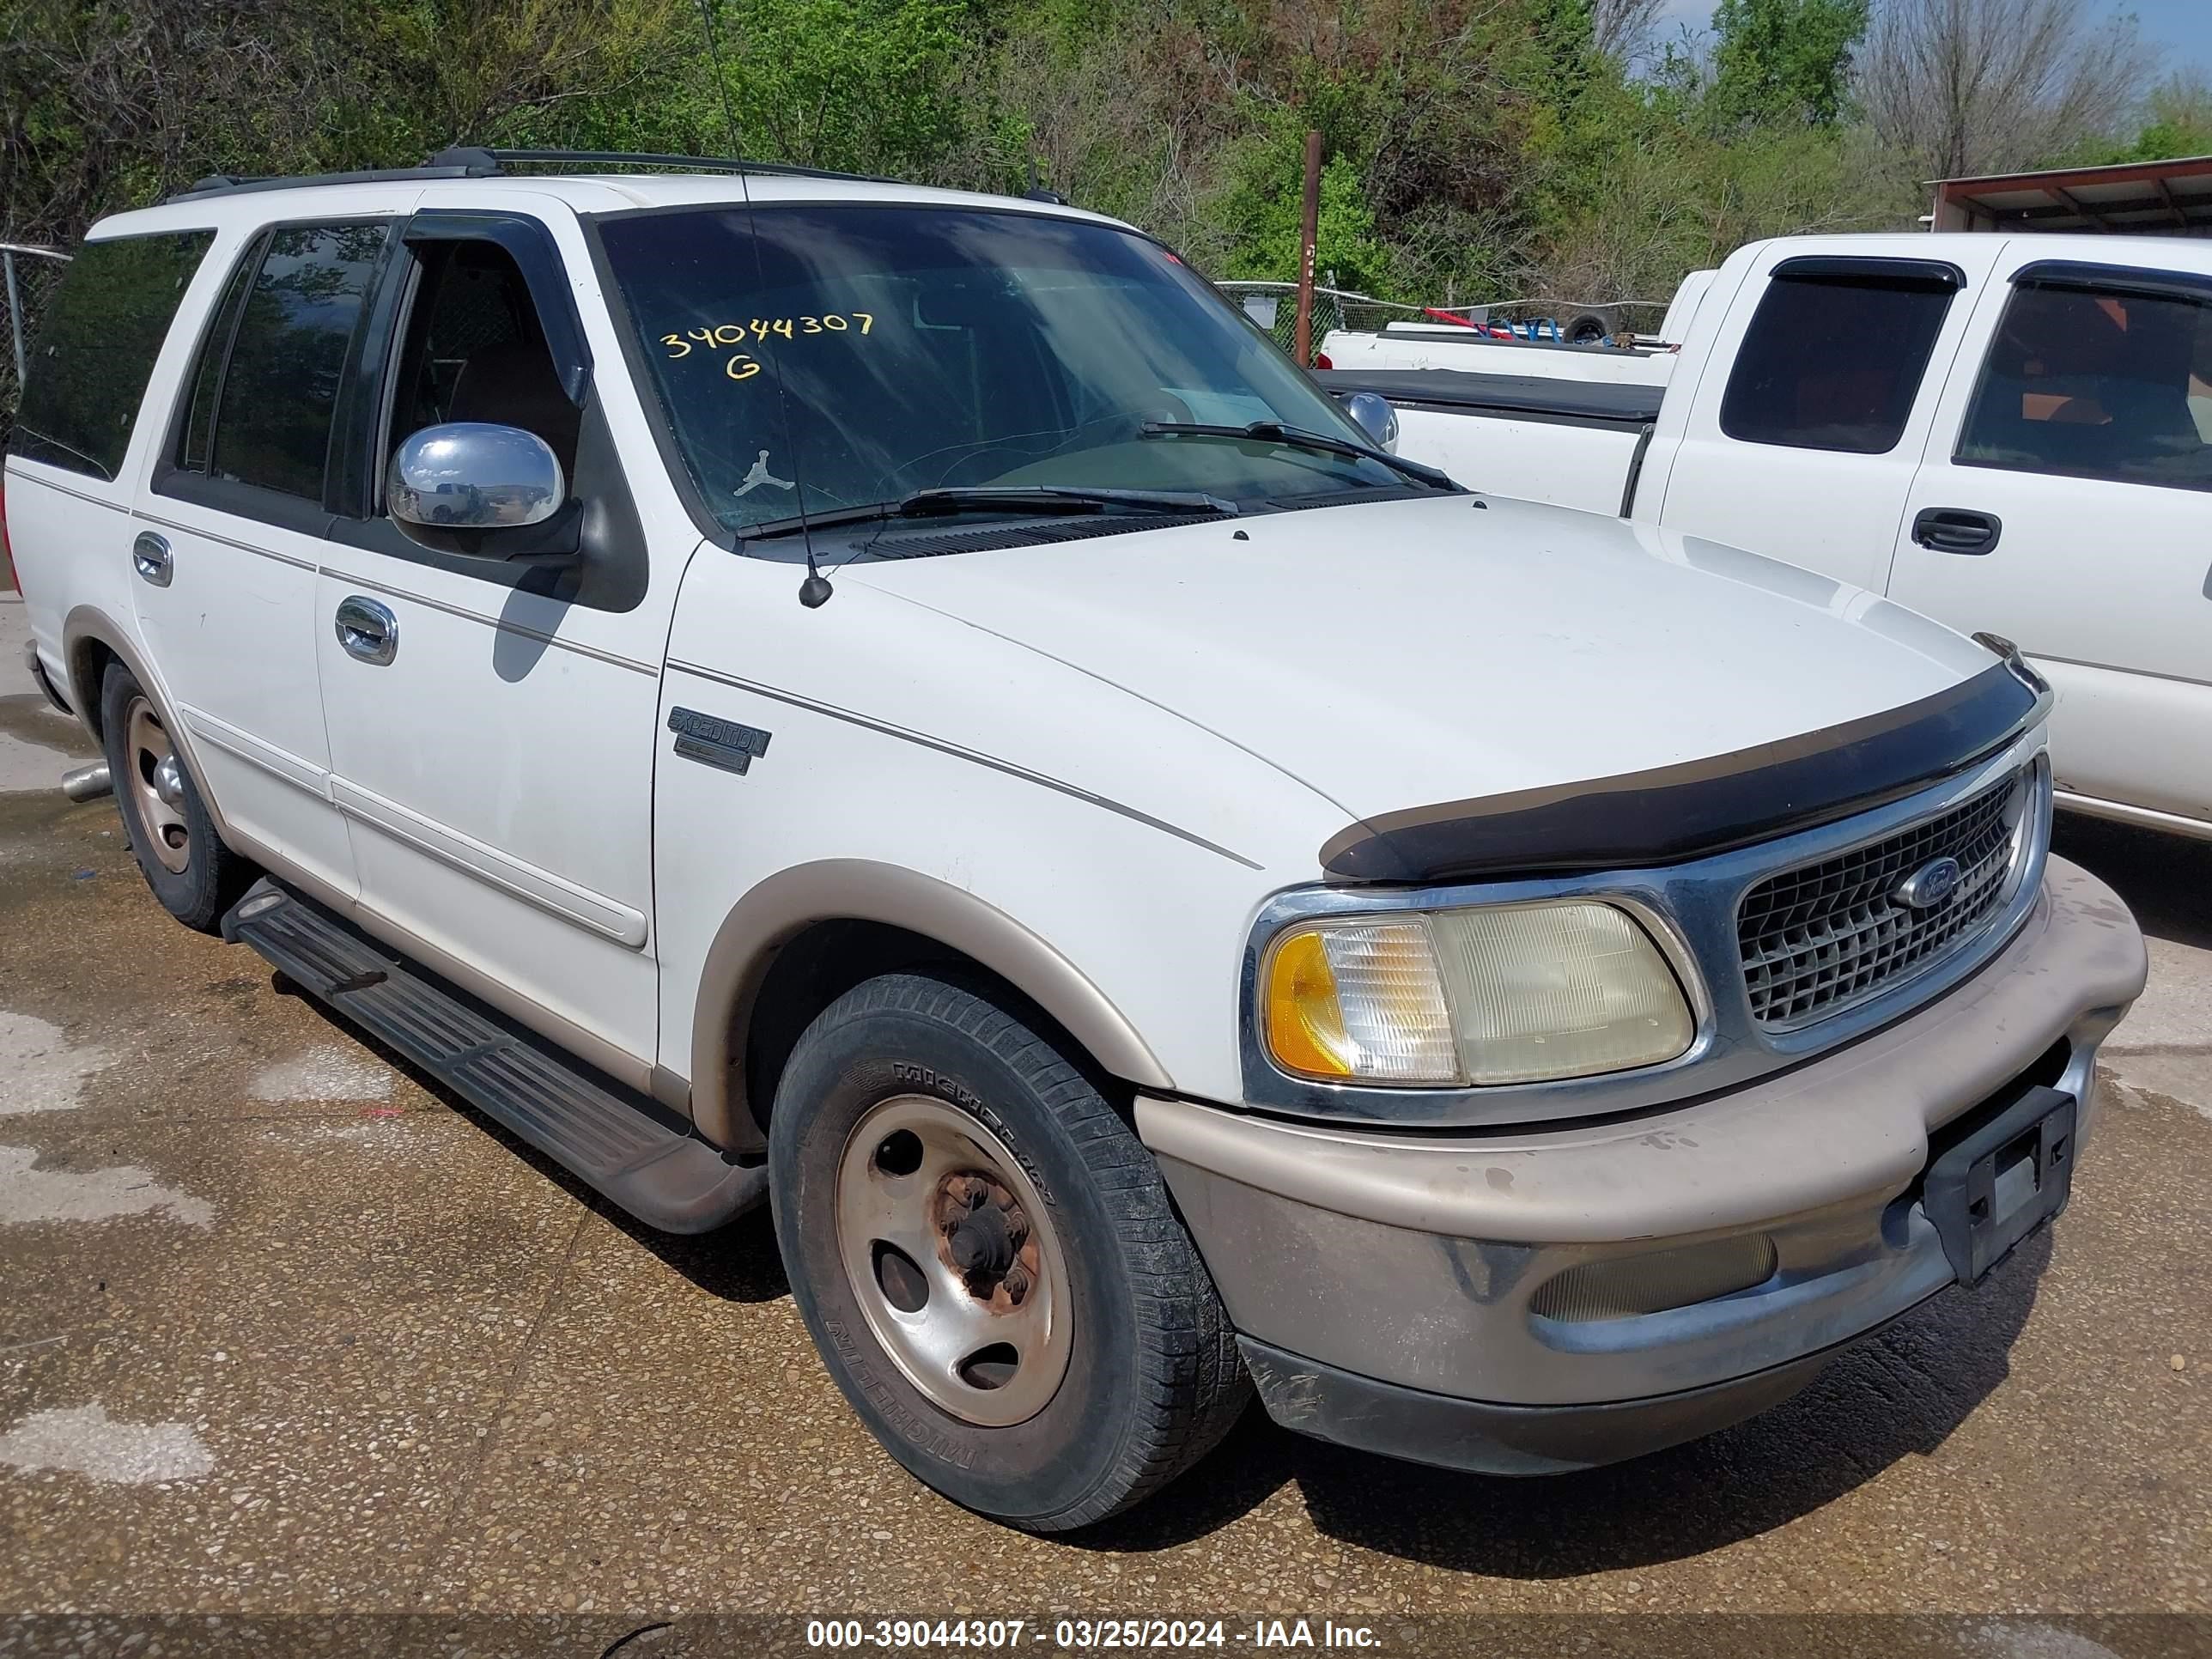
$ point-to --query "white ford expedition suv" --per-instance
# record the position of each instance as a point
(903, 705)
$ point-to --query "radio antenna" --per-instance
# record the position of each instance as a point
(721, 80)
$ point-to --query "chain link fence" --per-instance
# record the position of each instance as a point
(1274, 307)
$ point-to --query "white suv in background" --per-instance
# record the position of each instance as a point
(904, 705)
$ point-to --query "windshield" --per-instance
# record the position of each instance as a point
(824, 356)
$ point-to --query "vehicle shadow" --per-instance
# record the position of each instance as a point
(1898, 1395)
(738, 1263)
(2167, 880)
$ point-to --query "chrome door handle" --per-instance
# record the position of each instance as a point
(368, 631)
(150, 555)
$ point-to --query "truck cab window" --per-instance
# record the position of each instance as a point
(476, 352)
(2091, 383)
(1834, 363)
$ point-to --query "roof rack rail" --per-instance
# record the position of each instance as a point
(474, 161)
(225, 184)
(481, 160)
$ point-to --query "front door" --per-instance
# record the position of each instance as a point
(2065, 503)
(491, 723)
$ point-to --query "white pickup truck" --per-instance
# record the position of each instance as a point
(2013, 435)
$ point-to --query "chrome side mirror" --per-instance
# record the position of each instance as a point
(471, 475)
(1371, 413)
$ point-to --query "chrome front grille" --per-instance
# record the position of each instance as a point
(1819, 938)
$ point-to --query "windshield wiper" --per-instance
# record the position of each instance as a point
(1297, 437)
(985, 498)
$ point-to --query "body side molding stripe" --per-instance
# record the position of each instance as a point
(547, 892)
(207, 535)
(244, 745)
(959, 753)
(1698, 807)
(24, 472)
(500, 623)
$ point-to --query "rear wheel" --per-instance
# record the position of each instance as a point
(986, 1258)
(171, 835)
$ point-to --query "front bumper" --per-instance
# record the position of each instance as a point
(1390, 1287)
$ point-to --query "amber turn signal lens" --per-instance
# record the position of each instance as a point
(1305, 1027)
(1360, 1002)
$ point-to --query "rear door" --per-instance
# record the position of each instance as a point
(234, 518)
(1804, 449)
(2065, 503)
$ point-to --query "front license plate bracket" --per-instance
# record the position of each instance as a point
(2000, 1181)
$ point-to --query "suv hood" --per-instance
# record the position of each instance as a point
(1394, 653)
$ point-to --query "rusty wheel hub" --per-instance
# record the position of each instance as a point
(950, 1251)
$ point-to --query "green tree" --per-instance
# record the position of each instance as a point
(1263, 210)
(1783, 62)
(866, 85)
(2177, 121)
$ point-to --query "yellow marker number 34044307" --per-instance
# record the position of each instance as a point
(762, 329)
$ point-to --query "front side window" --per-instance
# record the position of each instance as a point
(476, 352)
(820, 357)
(1834, 360)
(288, 357)
(2089, 382)
(88, 373)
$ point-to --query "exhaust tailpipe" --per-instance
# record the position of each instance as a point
(88, 783)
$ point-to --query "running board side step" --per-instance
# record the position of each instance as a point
(624, 1144)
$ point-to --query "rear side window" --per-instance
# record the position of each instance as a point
(207, 368)
(2096, 382)
(88, 373)
(288, 357)
(1834, 360)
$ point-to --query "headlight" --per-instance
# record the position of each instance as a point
(1500, 993)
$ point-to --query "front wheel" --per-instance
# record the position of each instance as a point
(987, 1259)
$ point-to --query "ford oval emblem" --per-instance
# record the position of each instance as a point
(1931, 884)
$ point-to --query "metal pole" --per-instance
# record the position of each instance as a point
(1309, 232)
(14, 315)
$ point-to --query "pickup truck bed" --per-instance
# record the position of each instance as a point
(1459, 388)
(1572, 443)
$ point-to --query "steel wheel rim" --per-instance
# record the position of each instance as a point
(148, 750)
(990, 1337)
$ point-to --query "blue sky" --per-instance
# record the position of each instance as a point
(2183, 26)
(2182, 29)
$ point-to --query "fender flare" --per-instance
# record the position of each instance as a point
(783, 907)
(87, 625)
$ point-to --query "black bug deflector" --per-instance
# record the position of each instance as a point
(1698, 807)
(624, 1145)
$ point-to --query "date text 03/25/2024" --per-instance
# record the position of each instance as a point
(1085, 1635)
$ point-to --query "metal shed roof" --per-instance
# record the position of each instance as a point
(2154, 198)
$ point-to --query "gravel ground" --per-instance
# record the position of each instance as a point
(282, 1331)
